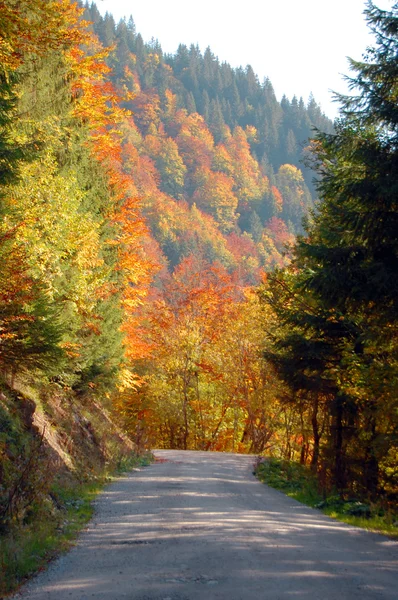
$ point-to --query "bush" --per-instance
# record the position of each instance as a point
(294, 479)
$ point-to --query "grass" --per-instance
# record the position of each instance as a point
(52, 526)
(298, 482)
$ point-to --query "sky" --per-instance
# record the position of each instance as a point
(300, 45)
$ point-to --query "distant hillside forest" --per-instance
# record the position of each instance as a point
(218, 142)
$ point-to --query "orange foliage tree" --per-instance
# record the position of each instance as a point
(182, 325)
(214, 194)
(205, 382)
(30, 27)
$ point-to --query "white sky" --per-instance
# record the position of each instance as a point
(301, 45)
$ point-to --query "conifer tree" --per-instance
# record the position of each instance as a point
(349, 261)
(357, 227)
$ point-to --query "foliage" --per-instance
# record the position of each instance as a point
(205, 384)
(53, 527)
(336, 347)
(204, 137)
(288, 476)
(35, 28)
(57, 451)
(298, 482)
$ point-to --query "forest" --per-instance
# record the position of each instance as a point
(187, 262)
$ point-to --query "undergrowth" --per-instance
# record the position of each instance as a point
(53, 524)
(298, 482)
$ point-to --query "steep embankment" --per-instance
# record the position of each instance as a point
(56, 449)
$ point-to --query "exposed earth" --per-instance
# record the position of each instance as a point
(199, 526)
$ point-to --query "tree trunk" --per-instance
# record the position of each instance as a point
(371, 462)
(339, 459)
(186, 426)
(317, 437)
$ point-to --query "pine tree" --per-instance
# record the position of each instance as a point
(350, 259)
(12, 152)
(357, 226)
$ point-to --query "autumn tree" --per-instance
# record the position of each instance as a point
(215, 195)
(196, 144)
(296, 198)
(182, 326)
(247, 382)
(29, 322)
(171, 168)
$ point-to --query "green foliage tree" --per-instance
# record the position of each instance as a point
(59, 307)
(348, 269)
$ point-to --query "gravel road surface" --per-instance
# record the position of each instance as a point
(199, 526)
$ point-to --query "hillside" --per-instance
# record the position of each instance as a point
(221, 156)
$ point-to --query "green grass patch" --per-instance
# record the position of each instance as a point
(298, 482)
(51, 527)
(127, 463)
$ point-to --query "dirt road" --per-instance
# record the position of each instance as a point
(200, 526)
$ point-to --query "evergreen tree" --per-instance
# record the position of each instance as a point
(357, 227)
(216, 120)
(350, 259)
(12, 151)
(310, 343)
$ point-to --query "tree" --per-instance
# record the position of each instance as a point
(358, 184)
(168, 162)
(195, 142)
(181, 328)
(247, 381)
(215, 195)
(349, 261)
(29, 323)
(29, 327)
(296, 197)
(36, 27)
(310, 343)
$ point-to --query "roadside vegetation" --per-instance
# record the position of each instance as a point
(299, 482)
(50, 524)
(58, 450)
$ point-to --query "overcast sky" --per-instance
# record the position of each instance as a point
(301, 45)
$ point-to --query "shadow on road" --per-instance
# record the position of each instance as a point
(200, 526)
